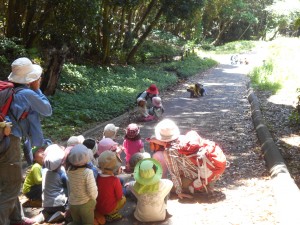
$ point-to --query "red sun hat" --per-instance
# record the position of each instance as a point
(153, 89)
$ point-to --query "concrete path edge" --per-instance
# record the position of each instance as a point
(286, 192)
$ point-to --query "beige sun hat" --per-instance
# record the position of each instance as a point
(109, 162)
(74, 140)
(166, 130)
(110, 131)
(24, 71)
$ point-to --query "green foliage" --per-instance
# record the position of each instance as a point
(152, 49)
(190, 66)
(234, 47)
(9, 51)
(262, 77)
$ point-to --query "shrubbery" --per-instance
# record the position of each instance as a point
(9, 51)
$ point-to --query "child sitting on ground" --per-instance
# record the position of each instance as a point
(32, 187)
(132, 143)
(54, 186)
(150, 190)
(110, 198)
(143, 112)
(110, 131)
(157, 109)
(82, 186)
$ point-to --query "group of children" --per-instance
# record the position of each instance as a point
(80, 183)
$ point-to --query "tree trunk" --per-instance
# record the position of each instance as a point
(106, 33)
(31, 9)
(141, 21)
(121, 30)
(14, 18)
(53, 70)
(144, 36)
(222, 30)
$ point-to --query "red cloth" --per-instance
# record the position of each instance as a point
(109, 193)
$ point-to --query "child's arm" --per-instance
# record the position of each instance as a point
(91, 185)
(118, 189)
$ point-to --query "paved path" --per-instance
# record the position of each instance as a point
(224, 117)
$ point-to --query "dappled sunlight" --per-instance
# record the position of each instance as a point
(293, 140)
(224, 84)
(196, 113)
(286, 99)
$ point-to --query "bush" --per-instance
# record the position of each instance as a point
(9, 51)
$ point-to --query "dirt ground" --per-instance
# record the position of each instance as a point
(244, 194)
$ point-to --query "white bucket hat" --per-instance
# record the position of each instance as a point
(166, 130)
(24, 72)
(54, 157)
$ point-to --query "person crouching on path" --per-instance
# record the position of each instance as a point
(110, 199)
(166, 132)
(26, 77)
(150, 190)
(82, 186)
(152, 91)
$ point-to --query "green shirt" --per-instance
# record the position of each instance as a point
(33, 178)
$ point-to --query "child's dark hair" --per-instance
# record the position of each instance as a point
(89, 143)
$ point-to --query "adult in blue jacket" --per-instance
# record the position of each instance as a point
(28, 105)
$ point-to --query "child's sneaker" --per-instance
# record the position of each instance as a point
(57, 217)
(113, 217)
(99, 219)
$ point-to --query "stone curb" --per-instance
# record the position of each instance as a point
(286, 192)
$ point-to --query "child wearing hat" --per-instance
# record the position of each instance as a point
(110, 198)
(150, 190)
(54, 185)
(82, 186)
(157, 109)
(142, 111)
(151, 91)
(110, 131)
(132, 143)
(32, 187)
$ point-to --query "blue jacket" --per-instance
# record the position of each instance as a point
(35, 103)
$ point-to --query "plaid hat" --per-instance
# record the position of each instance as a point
(110, 131)
(132, 130)
(153, 89)
(79, 155)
